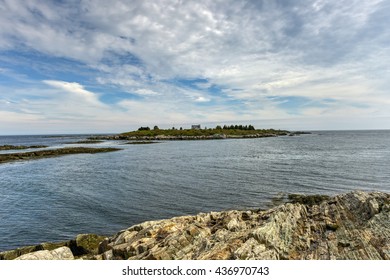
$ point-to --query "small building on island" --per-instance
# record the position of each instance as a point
(195, 126)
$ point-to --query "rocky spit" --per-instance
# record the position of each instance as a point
(353, 226)
(12, 147)
(4, 158)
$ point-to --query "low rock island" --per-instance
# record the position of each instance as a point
(52, 153)
(12, 147)
(353, 226)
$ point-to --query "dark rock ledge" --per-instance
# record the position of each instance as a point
(12, 147)
(354, 226)
(52, 153)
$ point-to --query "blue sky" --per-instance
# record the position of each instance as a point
(112, 66)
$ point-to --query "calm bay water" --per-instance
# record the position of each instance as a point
(57, 198)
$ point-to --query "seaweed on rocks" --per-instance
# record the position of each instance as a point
(307, 199)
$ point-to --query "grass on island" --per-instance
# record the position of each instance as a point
(52, 153)
(236, 130)
(12, 147)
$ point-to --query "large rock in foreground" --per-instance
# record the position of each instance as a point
(350, 226)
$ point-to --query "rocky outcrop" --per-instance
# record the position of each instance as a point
(351, 226)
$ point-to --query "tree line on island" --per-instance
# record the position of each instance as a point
(218, 127)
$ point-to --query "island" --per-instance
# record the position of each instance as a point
(350, 226)
(194, 133)
(52, 153)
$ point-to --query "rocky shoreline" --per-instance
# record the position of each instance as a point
(353, 226)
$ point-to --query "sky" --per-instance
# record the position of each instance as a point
(96, 66)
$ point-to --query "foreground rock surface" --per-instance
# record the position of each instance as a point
(350, 226)
(62, 253)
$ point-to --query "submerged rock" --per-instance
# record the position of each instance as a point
(351, 226)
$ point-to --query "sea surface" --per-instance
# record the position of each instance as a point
(55, 199)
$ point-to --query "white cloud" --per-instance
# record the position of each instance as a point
(202, 99)
(143, 91)
(77, 91)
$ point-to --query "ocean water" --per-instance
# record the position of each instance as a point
(55, 199)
